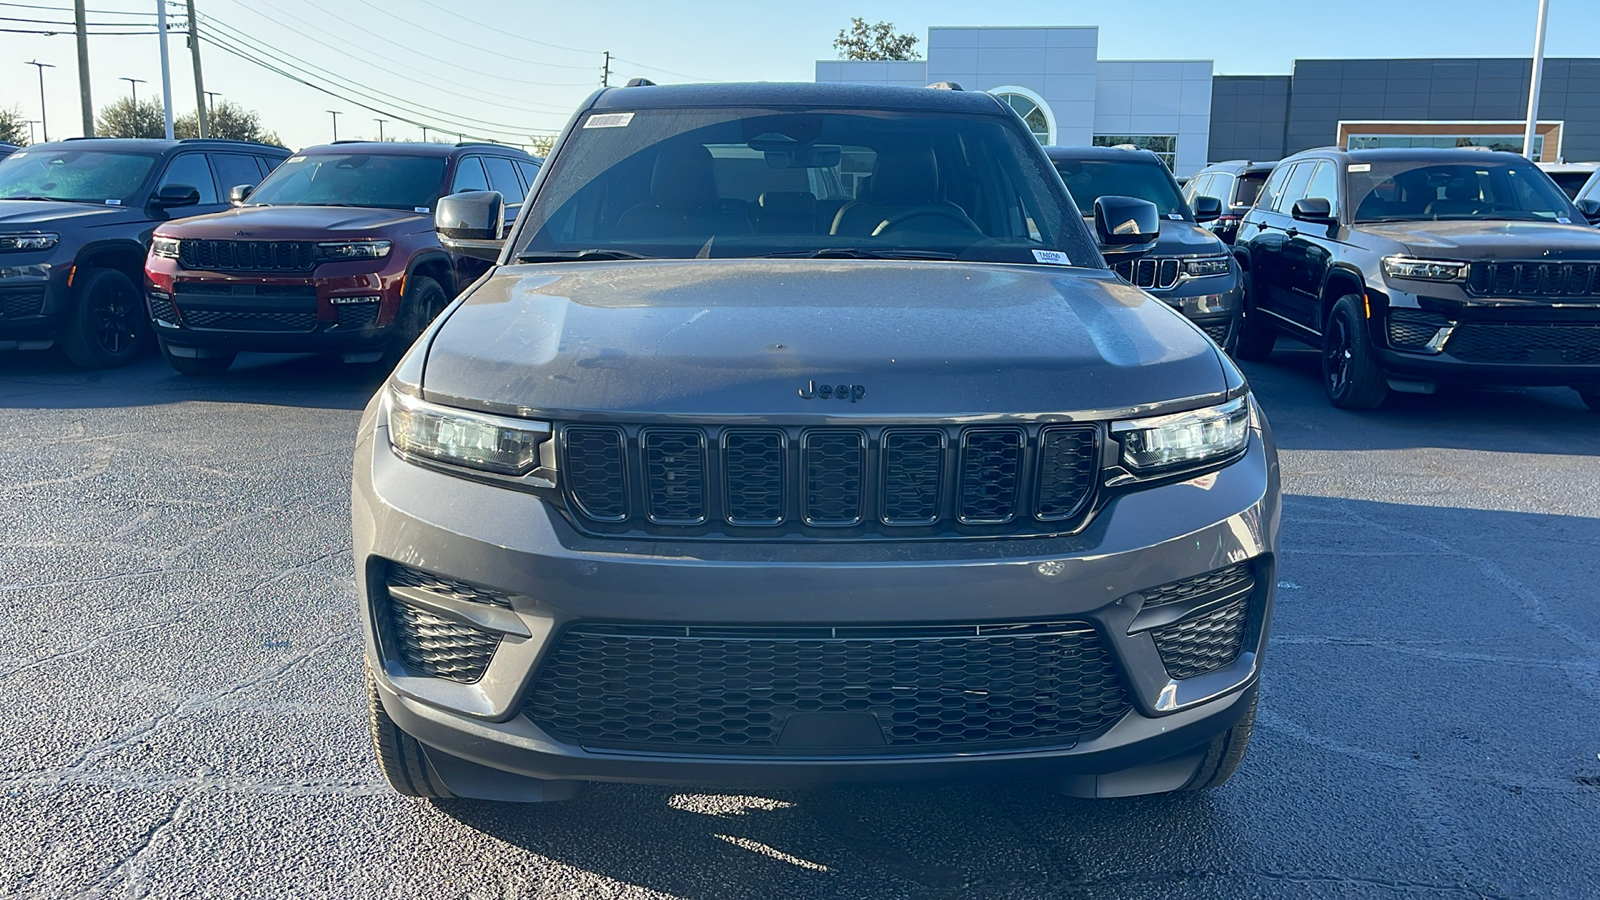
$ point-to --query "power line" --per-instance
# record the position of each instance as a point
(71, 31)
(103, 12)
(476, 48)
(641, 65)
(500, 29)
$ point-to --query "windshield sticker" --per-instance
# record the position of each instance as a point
(1052, 257)
(108, 202)
(1563, 220)
(1360, 167)
(609, 120)
(295, 159)
(1175, 216)
(421, 209)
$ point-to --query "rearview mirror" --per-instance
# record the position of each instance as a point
(1316, 210)
(174, 195)
(238, 192)
(1207, 208)
(470, 223)
(1590, 207)
(1125, 227)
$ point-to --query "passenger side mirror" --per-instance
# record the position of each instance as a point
(1207, 208)
(470, 223)
(170, 196)
(1126, 228)
(239, 192)
(1316, 210)
(1590, 207)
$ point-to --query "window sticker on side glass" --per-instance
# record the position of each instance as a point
(609, 120)
(1051, 257)
(1360, 167)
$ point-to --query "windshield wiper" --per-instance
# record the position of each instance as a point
(570, 255)
(859, 253)
(50, 199)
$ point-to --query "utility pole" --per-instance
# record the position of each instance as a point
(380, 128)
(335, 114)
(199, 82)
(166, 66)
(605, 71)
(44, 117)
(1538, 77)
(82, 23)
(134, 83)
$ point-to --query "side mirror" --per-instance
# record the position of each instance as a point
(170, 196)
(1126, 228)
(1207, 208)
(1316, 210)
(1590, 207)
(239, 192)
(470, 223)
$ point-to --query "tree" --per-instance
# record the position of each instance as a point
(126, 119)
(227, 120)
(863, 41)
(541, 144)
(13, 126)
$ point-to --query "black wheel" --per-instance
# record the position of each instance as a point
(194, 365)
(1591, 396)
(424, 299)
(108, 322)
(1225, 752)
(1255, 337)
(1350, 375)
(400, 757)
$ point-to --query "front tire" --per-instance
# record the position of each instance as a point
(108, 323)
(197, 365)
(1256, 338)
(1225, 753)
(1350, 374)
(424, 299)
(400, 756)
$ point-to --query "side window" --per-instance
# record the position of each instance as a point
(1325, 184)
(1196, 187)
(469, 176)
(1295, 189)
(1273, 187)
(268, 163)
(529, 170)
(503, 178)
(191, 169)
(1221, 187)
(235, 169)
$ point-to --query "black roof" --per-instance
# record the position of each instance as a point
(1413, 154)
(1240, 166)
(158, 145)
(413, 148)
(767, 94)
(1114, 154)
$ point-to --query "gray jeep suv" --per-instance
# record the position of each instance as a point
(801, 434)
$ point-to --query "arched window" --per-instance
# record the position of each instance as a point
(1031, 107)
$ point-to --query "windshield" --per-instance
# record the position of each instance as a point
(1249, 187)
(1406, 191)
(385, 181)
(1091, 179)
(85, 176)
(720, 183)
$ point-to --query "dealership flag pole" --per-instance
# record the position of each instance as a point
(166, 65)
(1538, 76)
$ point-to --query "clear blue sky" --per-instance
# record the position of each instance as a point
(535, 86)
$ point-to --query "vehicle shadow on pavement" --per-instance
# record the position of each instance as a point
(45, 380)
(1529, 420)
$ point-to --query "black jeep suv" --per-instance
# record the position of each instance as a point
(1411, 268)
(1235, 184)
(1188, 269)
(75, 222)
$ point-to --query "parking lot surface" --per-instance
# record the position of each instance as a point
(181, 707)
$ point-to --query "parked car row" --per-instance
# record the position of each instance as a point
(222, 246)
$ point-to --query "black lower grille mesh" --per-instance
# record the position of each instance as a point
(1575, 344)
(1220, 582)
(357, 315)
(438, 647)
(162, 308)
(1217, 333)
(735, 692)
(24, 302)
(405, 576)
(1203, 643)
(230, 320)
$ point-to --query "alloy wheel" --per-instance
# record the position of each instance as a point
(116, 323)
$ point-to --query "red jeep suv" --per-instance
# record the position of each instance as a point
(334, 252)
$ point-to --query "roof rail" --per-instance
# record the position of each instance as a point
(487, 144)
(229, 141)
(640, 82)
(945, 86)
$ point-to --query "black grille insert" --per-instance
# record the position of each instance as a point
(595, 471)
(913, 472)
(733, 690)
(754, 462)
(675, 476)
(834, 464)
(991, 467)
(1218, 583)
(405, 576)
(435, 646)
(238, 320)
(1203, 643)
(1536, 279)
(1067, 469)
(27, 301)
(1566, 344)
(250, 256)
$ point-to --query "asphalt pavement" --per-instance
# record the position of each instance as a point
(181, 711)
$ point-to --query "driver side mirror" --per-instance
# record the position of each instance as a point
(1126, 228)
(238, 193)
(1207, 209)
(470, 223)
(1590, 207)
(170, 196)
(1316, 210)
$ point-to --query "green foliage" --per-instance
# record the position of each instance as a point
(541, 144)
(126, 119)
(227, 120)
(863, 41)
(13, 126)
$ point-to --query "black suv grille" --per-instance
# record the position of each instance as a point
(1534, 279)
(1158, 273)
(436, 646)
(770, 482)
(28, 301)
(732, 690)
(247, 256)
(1221, 582)
(240, 320)
(1203, 643)
(1568, 344)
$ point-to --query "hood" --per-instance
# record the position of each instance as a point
(1183, 238)
(300, 223)
(44, 215)
(746, 337)
(1479, 239)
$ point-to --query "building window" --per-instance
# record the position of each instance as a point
(1034, 111)
(1511, 143)
(1162, 145)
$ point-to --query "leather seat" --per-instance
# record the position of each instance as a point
(683, 200)
(786, 212)
(1460, 199)
(904, 182)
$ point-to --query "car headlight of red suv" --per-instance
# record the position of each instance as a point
(344, 250)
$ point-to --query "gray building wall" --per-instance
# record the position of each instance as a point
(1249, 115)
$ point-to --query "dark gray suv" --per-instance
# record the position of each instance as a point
(802, 435)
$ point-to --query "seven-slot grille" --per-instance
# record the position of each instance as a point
(1158, 273)
(247, 256)
(763, 481)
(1534, 279)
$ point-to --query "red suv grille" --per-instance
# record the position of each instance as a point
(248, 256)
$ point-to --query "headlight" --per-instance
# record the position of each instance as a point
(354, 250)
(1424, 269)
(28, 241)
(1184, 439)
(460, 437)
(164, 246)
(1206, 265)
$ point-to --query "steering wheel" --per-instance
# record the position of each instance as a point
(894, 222)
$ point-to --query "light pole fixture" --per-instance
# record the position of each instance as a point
(380, 128)
(134, 84)
(335, 114)
(44, 117)
(211, 103)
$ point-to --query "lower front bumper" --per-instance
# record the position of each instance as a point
(322, 341)
(32, 304)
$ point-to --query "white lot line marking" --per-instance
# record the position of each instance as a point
(128, 866)
(765, 850)
(139, 780)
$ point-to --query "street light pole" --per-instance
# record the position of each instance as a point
(335, 114)
(380, 128)
(211, 104)
(44, 117)
(134, 84)
(166, 66)
(424, 134)
(1538, 77)
(31, 123)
